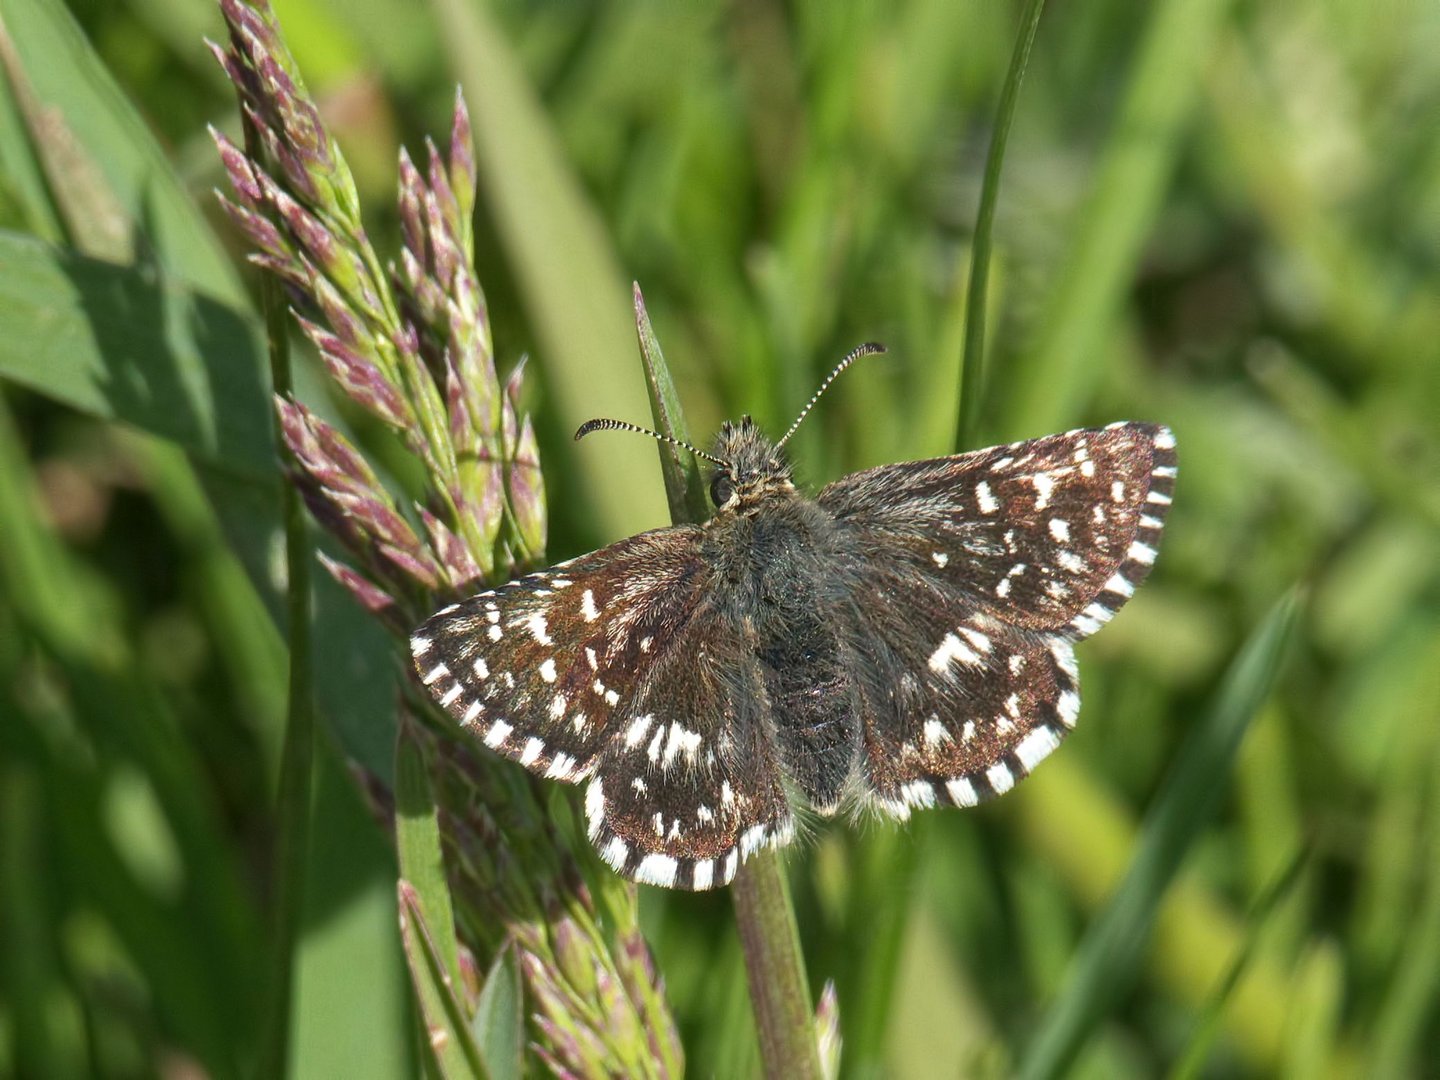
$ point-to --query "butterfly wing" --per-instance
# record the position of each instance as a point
(1051, 535)
(691, 787)
(620, 667)
(974, 576)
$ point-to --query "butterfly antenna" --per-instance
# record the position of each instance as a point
(870, 348)
(601, 424)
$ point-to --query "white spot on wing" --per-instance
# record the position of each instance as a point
(1000, 777)
(498, 733)
(1141, 553)
(561, 767)
(594, 806)
(482, 671)
(538, 630)
(495, 633)
(962, 792)
(1033, 749)
(419, 646)
(557, 706)
(1068, 560)
(547, 670)
(985, 499)
(682, 740)
(951, 648)
(472, 712)
(434, 673)
(450, 695)
(940, 558)
(533, 749)
(704, 873)
(616, 852)
(1044, 485)
(635, 733)
(935, 732)
(1165, 439)
(1060, 530)
(587, 606)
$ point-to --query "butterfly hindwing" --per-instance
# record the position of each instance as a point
(1052, 534)
(691, 785)
(956, 704)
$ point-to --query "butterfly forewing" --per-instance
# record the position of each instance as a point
(1053, 534)
(542, 669)
(976, 574)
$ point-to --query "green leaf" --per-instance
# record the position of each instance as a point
(447, 1030)
(499, 1022)
(1106, 963)
(684, 488)
(123, 343)
(417, 842)
(106, 169)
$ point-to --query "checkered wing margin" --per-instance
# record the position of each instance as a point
(979, 573)
(1050, 535)
(608, 668)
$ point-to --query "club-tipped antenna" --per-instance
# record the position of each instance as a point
(602, 424)
(870, 348)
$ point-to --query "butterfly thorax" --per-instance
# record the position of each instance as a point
(755, 469)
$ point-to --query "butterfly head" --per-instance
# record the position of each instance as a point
(749, 466)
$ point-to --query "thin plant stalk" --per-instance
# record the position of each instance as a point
(298, 754)
(972, 366)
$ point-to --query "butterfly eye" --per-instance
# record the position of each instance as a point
(721, 489)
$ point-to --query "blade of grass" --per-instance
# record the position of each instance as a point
(972, 375)
(447, 1029)
(1052, 381)
(297, 758)
(684, 488)
(1191, 1065)
(417, 844)
(1398, 1043)
(1109, 956)
(156, 214)
(499, 1022)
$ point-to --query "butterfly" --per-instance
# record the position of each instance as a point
(902, 639)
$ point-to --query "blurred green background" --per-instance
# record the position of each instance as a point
(1222, 216)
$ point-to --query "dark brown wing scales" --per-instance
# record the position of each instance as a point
(956, 706)
(691, 786)
(968, 580)
(618, 667)
(1053, 534)
(541, 669)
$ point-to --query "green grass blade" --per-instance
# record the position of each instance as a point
(972, 381)
(417, 844)
(447, 1030)
(499, 1023)
(112, 158)
(1108, 958)
(684, 487)
(116, 343)
(1052, 382)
